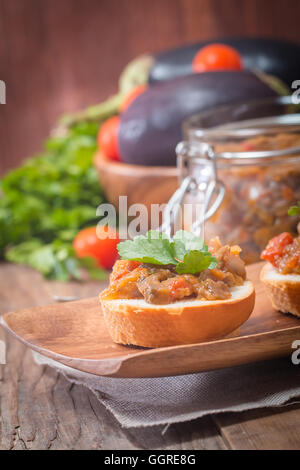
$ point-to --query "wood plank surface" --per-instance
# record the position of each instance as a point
(271, 429)
(40, 409)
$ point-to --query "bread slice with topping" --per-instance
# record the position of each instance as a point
(137, 322)
(283, 289)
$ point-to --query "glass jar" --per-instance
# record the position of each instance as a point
(255, 150)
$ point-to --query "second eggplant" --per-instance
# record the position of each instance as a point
(152, 125)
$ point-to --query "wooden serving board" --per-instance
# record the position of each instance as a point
(74, 334)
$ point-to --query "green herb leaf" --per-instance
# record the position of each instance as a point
(178, 250)
(153, 248)
(190, 241)
(195, 262)
(187, 252)
(294, 210)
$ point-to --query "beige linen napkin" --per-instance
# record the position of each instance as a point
(166, 400)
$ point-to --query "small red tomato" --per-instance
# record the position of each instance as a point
(276, 246)
(108, 138)
(217, 57)
(98, 242)
(131, 96)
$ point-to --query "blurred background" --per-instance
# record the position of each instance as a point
(62, 56)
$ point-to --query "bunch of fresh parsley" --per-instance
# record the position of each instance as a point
(187, 252)
(46, 201)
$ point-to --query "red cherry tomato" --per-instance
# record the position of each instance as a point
(217, 57)
(108, 138)
(276, 246)
(131, 96)
(99, 243)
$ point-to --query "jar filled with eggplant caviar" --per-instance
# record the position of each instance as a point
(255, 150)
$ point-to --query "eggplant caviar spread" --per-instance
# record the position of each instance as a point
(163, 285)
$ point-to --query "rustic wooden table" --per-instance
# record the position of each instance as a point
(40, 409)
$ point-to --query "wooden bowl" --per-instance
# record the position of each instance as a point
(142, 184)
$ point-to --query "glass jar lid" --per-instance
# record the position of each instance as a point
(254, 131)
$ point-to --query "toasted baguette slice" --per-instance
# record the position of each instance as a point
(134, 321)
(283, 289)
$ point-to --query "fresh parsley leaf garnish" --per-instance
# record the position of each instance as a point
(195, 262)
(147, 249)
(295, 210)
(187, 252)
(190, 241)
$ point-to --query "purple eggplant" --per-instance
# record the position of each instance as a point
(271, 56)
(152, 125)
